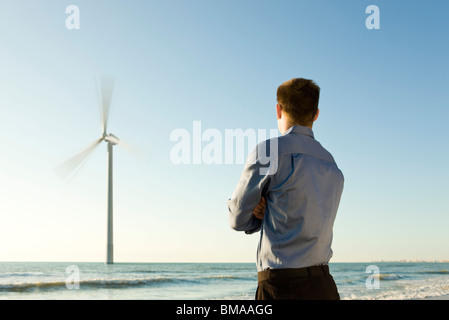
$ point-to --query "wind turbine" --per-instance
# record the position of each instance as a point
(68, 167)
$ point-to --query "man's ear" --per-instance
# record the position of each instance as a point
(316, 115)
(278, 111)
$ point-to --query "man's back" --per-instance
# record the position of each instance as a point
(302, 202)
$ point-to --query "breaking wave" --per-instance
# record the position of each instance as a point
(90, 283)
(109, 283)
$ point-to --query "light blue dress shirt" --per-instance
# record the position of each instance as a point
(303, 193)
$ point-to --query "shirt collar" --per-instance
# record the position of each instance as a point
(297, 129)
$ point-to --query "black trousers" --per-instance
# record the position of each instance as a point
(312, 283)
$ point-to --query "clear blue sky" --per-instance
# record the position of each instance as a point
(384, 116)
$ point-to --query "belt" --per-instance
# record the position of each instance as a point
(289, 273)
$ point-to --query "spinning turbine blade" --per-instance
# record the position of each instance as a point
(135, 150)
(73, 163)
(107, 88)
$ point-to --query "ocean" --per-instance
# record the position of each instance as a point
(201, 281)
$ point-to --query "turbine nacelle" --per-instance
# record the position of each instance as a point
(111, 138)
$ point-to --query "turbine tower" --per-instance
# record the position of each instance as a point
(68, 167)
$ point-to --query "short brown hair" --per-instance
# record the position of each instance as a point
(299, 99)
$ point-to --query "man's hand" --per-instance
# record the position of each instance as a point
(259, 210)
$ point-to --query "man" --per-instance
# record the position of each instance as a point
(294, 205)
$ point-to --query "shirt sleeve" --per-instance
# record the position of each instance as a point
(253, 184)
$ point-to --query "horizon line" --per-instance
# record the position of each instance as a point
(223, 262)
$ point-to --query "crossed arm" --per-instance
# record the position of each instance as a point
(259, 210)
(248, 202)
